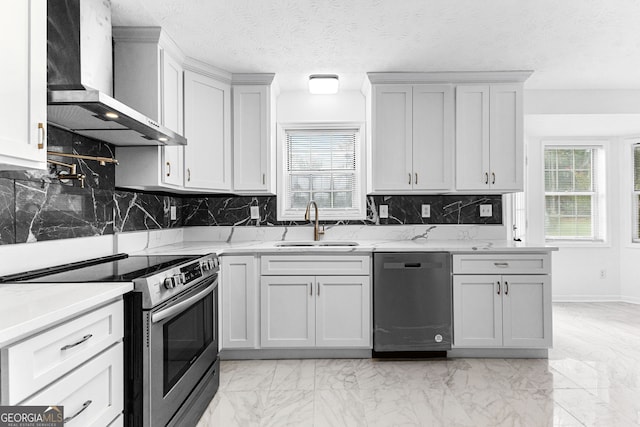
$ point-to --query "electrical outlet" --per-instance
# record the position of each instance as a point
(486, 211)
(384, 211)
(603, 274)
(255, 212)
(426, 211)
(172, 213)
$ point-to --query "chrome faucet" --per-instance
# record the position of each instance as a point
(316, 230)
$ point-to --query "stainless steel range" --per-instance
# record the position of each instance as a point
(171, 331)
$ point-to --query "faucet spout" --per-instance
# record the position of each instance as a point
(307, 217)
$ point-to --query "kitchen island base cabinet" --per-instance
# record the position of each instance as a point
(502, 311)
(315, 311)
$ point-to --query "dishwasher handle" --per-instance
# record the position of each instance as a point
(411, 265)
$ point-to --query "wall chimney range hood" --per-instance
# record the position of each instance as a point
(80, 79)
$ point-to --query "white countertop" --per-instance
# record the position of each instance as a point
(27, 308)
(364, 246)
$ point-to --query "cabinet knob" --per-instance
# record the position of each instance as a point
(41, 136)
(168, 169)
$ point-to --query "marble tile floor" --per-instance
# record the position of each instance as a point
(592, 378)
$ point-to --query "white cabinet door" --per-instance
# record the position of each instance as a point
(477, 311)
(207, 126)
(287, 311)
(239, 289)
(23, 86)
(252, 138)
(343, 312)
(172, 117)
(432, 161)
(506, 135)
(392, 138)
(472, 138)
(527, 311)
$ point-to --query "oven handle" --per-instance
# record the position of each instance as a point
(182, 305)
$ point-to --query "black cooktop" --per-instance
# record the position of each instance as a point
(115, 268)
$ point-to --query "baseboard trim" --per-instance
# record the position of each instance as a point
(511, 353)
(596, 298)
(284, 353)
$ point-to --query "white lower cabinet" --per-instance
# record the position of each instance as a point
(77, 364)
(92, 395)
(502, 311)
(239, 290)
(315, 311)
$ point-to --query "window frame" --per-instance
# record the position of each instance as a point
(359, 211)
(598, 194)
(635, 198)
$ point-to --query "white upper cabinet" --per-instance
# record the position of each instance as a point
(253, 134)
(489, 138)
(23, 86)
(148, 76)
(412, 145)
(207, 126)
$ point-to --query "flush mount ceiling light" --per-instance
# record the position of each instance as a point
(323, 84)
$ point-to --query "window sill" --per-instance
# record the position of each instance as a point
(579, 244)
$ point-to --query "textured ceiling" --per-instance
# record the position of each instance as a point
(570, 44)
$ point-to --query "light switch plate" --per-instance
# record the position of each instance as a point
(426, 211)
(486, 211)
(384, 211)
(172, 213)
(255, 212)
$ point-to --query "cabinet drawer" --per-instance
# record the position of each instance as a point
(41, 359)
(502, 264)
(97, 386)
(308, 265)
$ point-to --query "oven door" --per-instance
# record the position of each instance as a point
(183, 344)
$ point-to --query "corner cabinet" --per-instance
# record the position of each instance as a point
(207, 127)
(489, 138)
(502, 301)
(148, 76)
(254, 133)
(23, 87)
(412, 141)
(309, 301)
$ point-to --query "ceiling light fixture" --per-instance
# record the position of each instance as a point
(111, 115)
(323, 84)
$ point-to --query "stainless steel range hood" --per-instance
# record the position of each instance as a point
(80, 79)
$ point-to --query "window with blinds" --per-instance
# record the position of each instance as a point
(636, 193)
(573, 193)
(323, 165)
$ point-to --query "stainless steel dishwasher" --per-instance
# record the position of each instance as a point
(412, 302)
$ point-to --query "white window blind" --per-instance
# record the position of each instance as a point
(323, 165)
(636, 193)
(572, 193)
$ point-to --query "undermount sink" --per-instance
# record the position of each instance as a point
(325, 243)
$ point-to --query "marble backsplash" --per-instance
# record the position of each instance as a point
(36, 206)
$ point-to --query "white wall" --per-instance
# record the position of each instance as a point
(611, 115)
(302, 107)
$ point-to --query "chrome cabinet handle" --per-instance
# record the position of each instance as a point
(506, 288)
(68, 346)
(264, 180)
(409, 179)
(498, 288)
(168, 169)
(189, 174)
(416, 178)
(493, 177)
(310, 288)
(85, 405)
(41, 136)
(318, 293)
(486, 178)
(501, 264)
